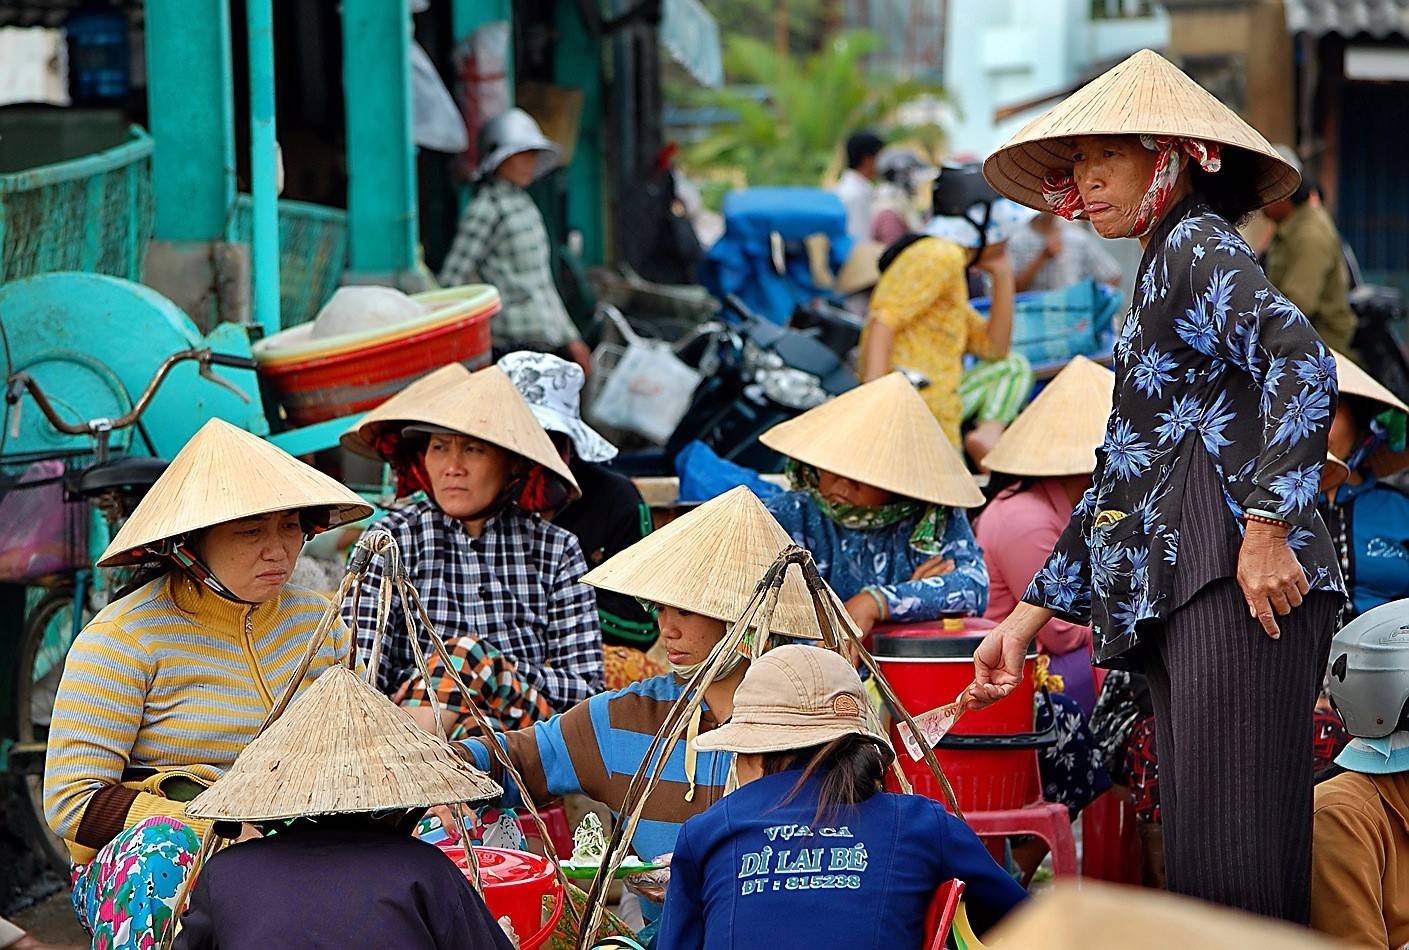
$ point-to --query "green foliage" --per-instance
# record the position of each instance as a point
(810, 104)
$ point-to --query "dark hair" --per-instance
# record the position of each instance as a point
(852, 768)
(1001, 484)
(861, 146)
(890, 254)
(1232, 191)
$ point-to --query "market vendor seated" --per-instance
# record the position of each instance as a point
(700, 571)
(501, 586)
(879, 501)
(342, 865)
(166, 685)
(608, 518)
(811, 769)
(1360, 830)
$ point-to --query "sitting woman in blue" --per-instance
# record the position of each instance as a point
(810, 851)
(880, 503)
(1368, 517)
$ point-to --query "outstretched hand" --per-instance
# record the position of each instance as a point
(999, 659)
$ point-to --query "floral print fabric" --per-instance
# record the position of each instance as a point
(125, 896)
(1211, 359)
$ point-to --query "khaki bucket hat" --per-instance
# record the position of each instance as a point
(483, 404)
(1059, 432)
(709, 561)
(794, 697)
(1354, 381)
(341, 748)
(224, 474)
(884, 435)
(1144, 95)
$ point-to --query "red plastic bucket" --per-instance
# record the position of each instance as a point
(927, 671)
(515, 883)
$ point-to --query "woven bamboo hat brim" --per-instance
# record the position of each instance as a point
(1140, 917)
(709, 561)
(341, 748)
(483, 404)
(1354, 381)
(223, 474)
(1146, 94)
(884, 435)
(1059, 432)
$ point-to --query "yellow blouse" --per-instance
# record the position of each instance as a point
(924, 297)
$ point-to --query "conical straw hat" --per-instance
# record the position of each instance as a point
(1139, 917)
(884, 435)
(341, 748)
(1354, 381)
(709, 561)
(224, 474)
(483, 404)
(1146, 94)
(1059, 432)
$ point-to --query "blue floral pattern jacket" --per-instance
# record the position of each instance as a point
(1211, 359)
(851, 559)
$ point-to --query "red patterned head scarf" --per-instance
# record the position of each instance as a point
(1059, 188)
(533, 488)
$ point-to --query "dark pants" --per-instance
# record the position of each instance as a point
(1233, 720)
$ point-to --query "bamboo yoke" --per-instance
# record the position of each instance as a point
(742, 635)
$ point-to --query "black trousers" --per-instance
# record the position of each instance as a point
(1233, 727)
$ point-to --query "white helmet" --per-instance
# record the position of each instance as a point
(1369, 678)
(509, 133)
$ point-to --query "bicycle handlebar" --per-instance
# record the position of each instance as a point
(20, 382)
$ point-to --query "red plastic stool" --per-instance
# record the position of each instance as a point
(555, 819)
(942, 911)
(1046, 820)
(1110, 842)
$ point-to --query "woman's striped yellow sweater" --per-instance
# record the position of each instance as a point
(170, 676)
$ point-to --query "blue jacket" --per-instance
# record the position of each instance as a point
(753, 872)
(850, 559)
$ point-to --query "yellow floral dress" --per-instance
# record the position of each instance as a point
(924, 297)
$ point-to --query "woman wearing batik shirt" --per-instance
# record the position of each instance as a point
(1198, 553)
(501, 586)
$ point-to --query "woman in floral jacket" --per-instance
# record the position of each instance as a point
(1198, 553)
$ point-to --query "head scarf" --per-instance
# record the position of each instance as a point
(927, 538)
(535, 489)
(1059, 188)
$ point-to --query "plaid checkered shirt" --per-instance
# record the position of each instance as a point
(502, 241)
(518, 587)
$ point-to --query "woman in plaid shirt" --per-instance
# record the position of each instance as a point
(502, 586)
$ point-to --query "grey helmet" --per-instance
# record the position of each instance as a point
(509, 133)
(1369, 670)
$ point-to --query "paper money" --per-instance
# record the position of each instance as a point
(933, 726)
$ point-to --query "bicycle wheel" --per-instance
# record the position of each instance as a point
(48, 633)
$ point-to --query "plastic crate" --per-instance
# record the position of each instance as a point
(75, 193)
(312, 255)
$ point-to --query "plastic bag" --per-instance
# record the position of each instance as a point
(437, 120)
(704, 475)
(648, 390)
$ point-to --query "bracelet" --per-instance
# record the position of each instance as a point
(1251, 518)
(880, 601)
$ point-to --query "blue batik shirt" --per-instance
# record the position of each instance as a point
(1211, 359)
(883, 559)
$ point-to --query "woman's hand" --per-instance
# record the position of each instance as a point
(994, 259)
(1272, 579)
(937, 566)
(865, 612)
(651, 884)
(999, 659)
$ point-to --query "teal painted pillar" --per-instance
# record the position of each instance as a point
(191, 104)
(577, 63)
(264, 190)
(381, 161)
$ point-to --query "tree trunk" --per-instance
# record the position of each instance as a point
(780, 27)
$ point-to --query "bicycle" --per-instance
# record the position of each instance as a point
(58, 606)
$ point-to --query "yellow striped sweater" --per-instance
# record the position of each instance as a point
(171, 676)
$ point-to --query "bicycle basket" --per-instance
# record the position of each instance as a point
(41, 531)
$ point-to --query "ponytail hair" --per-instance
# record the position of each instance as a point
(852, 768)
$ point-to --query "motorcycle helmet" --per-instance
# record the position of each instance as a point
(901, 166)
(1369, 671)
(970, 213)
(509, 133)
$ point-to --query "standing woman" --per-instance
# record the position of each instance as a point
(1198, 553)
(165, 687)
